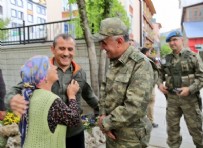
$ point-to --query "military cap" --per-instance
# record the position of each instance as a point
(110, 27)
(173, 34)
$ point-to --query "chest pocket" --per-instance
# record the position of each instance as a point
(184, 66)
(121, 82)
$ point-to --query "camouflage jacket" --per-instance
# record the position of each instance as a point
(125, 93)
(186, 67)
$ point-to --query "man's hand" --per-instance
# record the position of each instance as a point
(18, 105)
(184, 92)
(100, 119)
(163, 89)
(110, 135)
(107, 133)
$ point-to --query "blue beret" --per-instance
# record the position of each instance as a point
(173, 34)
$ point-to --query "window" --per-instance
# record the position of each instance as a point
(13, 13)
(20, 3)
(30, 18)
(201, 12)
(13, 2)
(14, 24)
(40, 20)
(29, 6)
(195, 13)
(38, 9)
(190, 15)
(20, 15)
(1, 9)
(41, 10)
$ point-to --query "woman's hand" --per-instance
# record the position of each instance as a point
(72, 89)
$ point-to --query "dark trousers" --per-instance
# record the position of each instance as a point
(77, 141)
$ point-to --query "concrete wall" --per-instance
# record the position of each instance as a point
(13, 57)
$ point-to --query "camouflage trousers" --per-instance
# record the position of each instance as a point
(189, 108)
(150, 107)
(137, 137)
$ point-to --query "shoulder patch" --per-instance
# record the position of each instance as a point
(137, 57)
(168, 57)
(189, 53)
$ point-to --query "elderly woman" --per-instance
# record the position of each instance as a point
(44, 123)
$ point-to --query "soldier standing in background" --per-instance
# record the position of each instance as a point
(125, 94)
(150, 107)
(182, 70)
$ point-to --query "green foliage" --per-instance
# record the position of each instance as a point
(165, 49)
(78, 29)
(4, 23)
(97, 10)
(117, 10)
(3, 33)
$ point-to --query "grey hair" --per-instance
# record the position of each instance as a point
(126, 37)
(65, 36)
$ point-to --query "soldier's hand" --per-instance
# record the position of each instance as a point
(110, 135)
(184, 91)
(18, 105)
(163, 89)
(100, 119)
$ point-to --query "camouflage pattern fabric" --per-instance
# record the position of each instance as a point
(124, 99)
(111, 27)
(187, 106)
(191, 68)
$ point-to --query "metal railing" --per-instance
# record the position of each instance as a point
(39, 33)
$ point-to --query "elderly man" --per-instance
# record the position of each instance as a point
(125, 93)
(182, 70)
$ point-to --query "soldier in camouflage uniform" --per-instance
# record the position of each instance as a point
(125, 93)
(183, 74)
(150, 108)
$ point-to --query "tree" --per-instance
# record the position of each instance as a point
(90, 46)
(3, 33)
(165, 49)
(91, 12)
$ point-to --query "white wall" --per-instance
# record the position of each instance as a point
(54, 10)
(185, 3)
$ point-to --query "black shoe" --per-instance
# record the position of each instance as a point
(154, 125)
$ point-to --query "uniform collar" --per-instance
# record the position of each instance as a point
(124, 57)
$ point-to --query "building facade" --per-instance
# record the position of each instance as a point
(22, 11)
(191, 23)
(148, 33)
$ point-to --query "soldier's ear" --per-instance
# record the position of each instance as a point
(120, 40)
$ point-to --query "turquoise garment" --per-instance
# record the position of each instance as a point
(39, 134)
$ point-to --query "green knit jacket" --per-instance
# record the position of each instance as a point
(39, 134)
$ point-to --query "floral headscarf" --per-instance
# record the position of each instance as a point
(32, 73)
